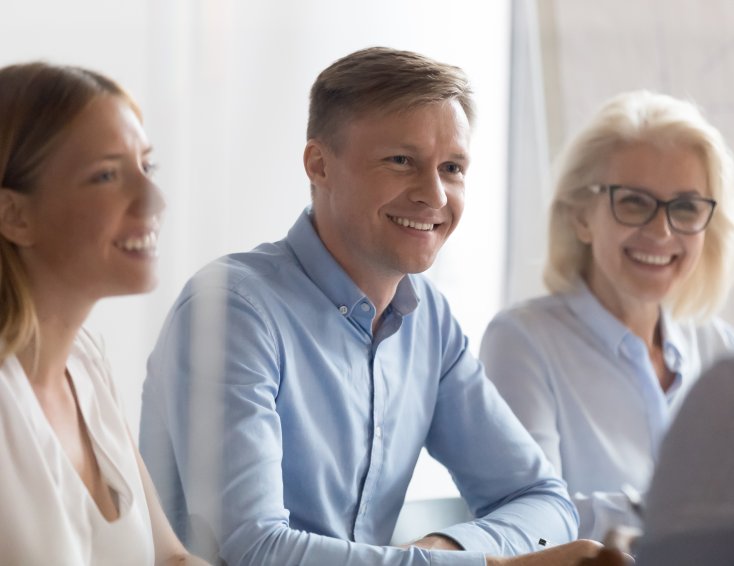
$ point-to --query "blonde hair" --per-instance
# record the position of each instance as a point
(381, 79)
(38, 101)
(663, 121)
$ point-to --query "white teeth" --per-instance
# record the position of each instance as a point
(424, 227)
(651, 259)
(147, 243)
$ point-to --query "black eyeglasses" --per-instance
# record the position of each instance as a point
(636, 207)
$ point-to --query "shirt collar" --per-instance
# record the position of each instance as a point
(328, 275)
(613, 333)
(675, 344)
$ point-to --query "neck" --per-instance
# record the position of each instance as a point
(44, 361)
(644, 323)
(640, 316)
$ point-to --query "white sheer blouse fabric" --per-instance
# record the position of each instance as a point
(47, 514)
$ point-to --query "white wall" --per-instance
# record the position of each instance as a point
(223, 85)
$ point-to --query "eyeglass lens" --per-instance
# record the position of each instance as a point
(635, 208)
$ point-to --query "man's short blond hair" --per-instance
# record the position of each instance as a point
(380, 79)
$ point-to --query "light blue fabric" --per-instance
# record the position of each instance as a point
(585, 388)
(320, 423)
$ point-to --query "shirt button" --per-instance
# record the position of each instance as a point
(365, 307)
(343, 309)
(378, 432)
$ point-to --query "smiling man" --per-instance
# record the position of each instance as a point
(334, 362)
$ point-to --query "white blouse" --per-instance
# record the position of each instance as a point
(47, 515)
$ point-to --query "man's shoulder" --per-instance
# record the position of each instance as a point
(267, 274)
(261, 270)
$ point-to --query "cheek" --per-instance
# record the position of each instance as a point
(607, 246)
(456, 202)
(695, 251)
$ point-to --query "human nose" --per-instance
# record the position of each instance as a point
(149, 199)
(430, 190)
(659, 224)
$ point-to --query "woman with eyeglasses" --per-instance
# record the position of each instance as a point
(640, 257)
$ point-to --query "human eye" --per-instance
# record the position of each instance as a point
(149, 168)
(106, 175)
(453, 168)
(398, 159)
(688, 206)
(633, 199)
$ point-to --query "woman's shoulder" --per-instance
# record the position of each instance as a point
(714, 332)
(705, 341)
(545, 310)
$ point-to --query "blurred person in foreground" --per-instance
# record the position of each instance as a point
(79, 218)
(640, 258)
(292, 387)
(689, 512)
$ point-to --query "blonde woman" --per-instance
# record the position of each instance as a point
(79, 218)
(640, 257)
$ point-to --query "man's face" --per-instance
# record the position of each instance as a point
(388, 197)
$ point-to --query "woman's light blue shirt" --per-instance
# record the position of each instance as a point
(584, 386)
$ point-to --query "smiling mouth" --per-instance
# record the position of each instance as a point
(146, 244)
(651, 259)
(407, 223)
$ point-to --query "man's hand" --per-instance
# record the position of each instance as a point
(569, 554)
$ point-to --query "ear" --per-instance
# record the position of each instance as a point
(14, 224)
(315, 156)
(580, 219)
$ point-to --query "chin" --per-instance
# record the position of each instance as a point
(137, 287)
(421, 265)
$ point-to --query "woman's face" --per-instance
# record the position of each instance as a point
(93, 216)
(636, 267)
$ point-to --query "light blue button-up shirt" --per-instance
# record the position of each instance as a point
(584, 386)
(267, 377)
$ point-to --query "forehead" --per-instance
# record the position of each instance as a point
(108, 124)
(445, 119)
(657, 166)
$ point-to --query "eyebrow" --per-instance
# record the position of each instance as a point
(118, 156)
(415, 149)
(680, 193)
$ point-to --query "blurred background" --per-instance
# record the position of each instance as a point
(224, 84)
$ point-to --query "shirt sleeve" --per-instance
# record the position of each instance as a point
(500, 471)
(218, 356)
(517, 366)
